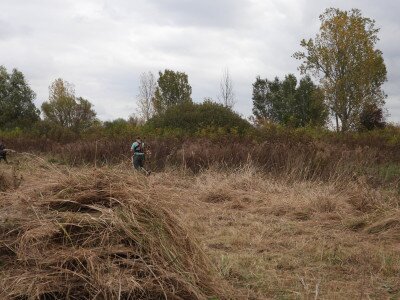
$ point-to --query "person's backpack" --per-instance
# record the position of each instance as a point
(138, 148)
(3, 153)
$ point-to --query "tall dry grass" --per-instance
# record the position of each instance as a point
(295, 159)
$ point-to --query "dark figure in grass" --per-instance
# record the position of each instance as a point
(3, 152)
(138, 155)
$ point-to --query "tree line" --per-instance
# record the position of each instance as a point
(342, 59)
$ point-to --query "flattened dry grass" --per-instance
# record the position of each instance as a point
(282, 239)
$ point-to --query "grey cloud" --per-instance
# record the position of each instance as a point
(223, 13)
(12, 31)
(103, 46)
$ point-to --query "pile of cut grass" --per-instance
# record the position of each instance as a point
(93, 234)
(9, 178)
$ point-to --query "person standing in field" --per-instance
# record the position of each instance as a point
(3, 152)
(138, 155)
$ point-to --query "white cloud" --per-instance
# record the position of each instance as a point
(103, 46)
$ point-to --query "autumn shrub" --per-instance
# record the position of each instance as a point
(192, 118)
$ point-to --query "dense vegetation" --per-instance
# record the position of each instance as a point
(204, 118)
(291, 119)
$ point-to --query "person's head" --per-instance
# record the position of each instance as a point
(138, 139)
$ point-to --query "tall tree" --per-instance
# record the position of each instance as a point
(173, 88)
(226, 95)
(371, 118)
(309, 107)
(145, 98)
(286, 103)
(64, 109)
(60, 109)
(16, 101)
(263, 98)
(343, 57)
(273, 100)
(85, 116)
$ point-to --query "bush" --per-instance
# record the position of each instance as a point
(198, 119)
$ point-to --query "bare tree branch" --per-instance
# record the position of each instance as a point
(226, 95)
(145, 98)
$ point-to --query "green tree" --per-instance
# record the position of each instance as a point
(16, 101)
(343, 57)
(308, 106)
(173, 88)
(64, 109)
(284, 103)
(372, 118)
(264, 95)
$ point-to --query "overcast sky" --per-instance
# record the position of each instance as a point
(103, 46)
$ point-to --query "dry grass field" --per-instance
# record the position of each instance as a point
(112, 233)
